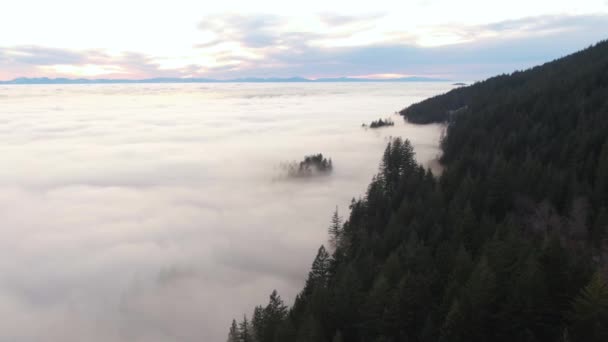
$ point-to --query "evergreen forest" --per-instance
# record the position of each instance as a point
(509, 243)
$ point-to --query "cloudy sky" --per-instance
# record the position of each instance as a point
(466, 39)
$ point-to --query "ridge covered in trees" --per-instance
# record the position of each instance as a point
(509, 243)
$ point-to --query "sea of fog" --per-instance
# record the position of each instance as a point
(159, 212)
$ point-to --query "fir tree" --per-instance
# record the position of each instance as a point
(335, 231)
(233, 334)
(319, 273)
(590, 312)
(245, 331)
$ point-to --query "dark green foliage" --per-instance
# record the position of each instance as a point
(274, 314)
(381, 123)
(319, 273)
(499, 247)
(335, 230)
(258, 323)
(338, 337)
(312, 165)
(590, 312)
(316, 162)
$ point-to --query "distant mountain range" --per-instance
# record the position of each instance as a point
(46, 80)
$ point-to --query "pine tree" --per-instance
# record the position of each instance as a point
(276, 309)
(257, 323)
(319, 273)
(233, 334)
(386, 164)
(590, 312)
(599, 230)
(601, 176)
(273, 315)
(245, 330)
(335, 231)
(398, 160)
(404, 154)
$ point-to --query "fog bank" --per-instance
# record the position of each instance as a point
(154, 212)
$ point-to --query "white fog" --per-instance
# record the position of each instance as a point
(158, 212)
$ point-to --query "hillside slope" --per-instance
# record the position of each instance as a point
(508, 244)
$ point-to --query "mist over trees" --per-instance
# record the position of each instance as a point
(380, 123)
(509, 243)
(312, 165)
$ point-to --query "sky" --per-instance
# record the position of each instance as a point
(465, 39)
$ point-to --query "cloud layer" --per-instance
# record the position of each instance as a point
(158, 212)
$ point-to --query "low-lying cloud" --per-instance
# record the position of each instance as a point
(152, 212)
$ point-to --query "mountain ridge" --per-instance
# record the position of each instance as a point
(509, 243)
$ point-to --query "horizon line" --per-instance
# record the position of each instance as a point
(293, 79)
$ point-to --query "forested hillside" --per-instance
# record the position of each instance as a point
(508, 244)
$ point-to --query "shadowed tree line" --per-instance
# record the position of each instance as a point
(508, 244)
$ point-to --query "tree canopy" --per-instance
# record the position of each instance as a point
(508, 244)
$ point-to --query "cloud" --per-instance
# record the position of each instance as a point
(260, 42)
(38, 61)
(268, 31)
(250, 31)
(480, 51)
(536, 26)
(37, 55)
(333, 19)
(327, 45)
(154, 212)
